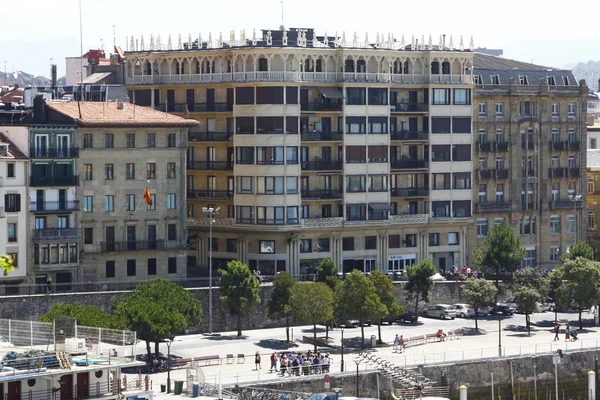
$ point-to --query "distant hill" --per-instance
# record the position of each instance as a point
(24, 79)
(590, 71)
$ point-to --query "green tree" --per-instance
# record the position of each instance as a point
(385, 289)
(582, 280)
(419, 281)
(85, 315)
(557, 290)
(357, 299)
(239, 289)
(579, 249)
(527, 299)
(480, 294)
(158, 309)
(311, 303)
(280, 298)
(531, 278)
(500, 255)
(327, 273)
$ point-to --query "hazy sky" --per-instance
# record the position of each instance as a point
(548, 32)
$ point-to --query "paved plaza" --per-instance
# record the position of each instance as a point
(514, 340)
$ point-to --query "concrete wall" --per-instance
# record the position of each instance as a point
(17, 307)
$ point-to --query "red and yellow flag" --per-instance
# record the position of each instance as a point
(147, 196)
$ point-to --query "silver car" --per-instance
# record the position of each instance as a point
(443, 311)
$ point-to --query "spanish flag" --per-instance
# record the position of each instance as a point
(147, 196)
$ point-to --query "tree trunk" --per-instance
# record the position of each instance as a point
(287, 329)
(362, 334)
(497, 284)
(476, 327)
(417, 304)
(379, 331)
(315, 336)
(327, 331)
(527, 323)
(239, 324)
(156, 349)
(580, 323)
(148, 350)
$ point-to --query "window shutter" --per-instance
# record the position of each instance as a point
(17, 202)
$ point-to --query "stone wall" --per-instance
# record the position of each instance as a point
(34, 306)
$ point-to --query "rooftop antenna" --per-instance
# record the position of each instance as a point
(282, 26)
(114, 36)
(80, 60)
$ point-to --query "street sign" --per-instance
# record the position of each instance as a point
(327, 385)
(327, 378)
(556, 360)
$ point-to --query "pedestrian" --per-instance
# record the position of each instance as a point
(273, 362)
(401, 343)
(567, 333)
(396, 342)
(257, 360)
(556, 329)
(49, 284)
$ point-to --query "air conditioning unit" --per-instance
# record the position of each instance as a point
(2, 215)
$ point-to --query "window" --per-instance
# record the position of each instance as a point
(528, 108)
(378, 183)
(88, 174)
(171, 140)
(151, 263)
(498, 221)
(482, 193)
(88, 141)
(130, 140)
(356, 154)
(130, 267)
(551, 81)
(555, 135)
(150, 171)
(269, 94)
(109, 172)
(291, 123)
(500, 193)
(88, 235)
(378, 125)
(292, 215)
(440, 209)
(571, 224)
(270, 215)
(461, 124)
(12, 202)
(305, 246)
(153, 206)
(270, 185)
(266, 246)
(411, 240)
(10, 171)
(109, 141)
(291, 184)
(130, 202)
(323, 245)
(245, 215)
(244, 125)
(214, 244)
(434, 239)
(593, 143)
(555, 109)
(172, 232)
(394, 241)
(109, 269)
(269, 125)
(441, 181)
(269, 155)
(495, 79)
(453, 238)
(462, 96)
(244, 95)
(565, 80)
(171, 205)
(370, 242)
(482, 227)
(527, 225)
(440, 124)
(244, 184)
(499, 136)
(291, 95)
(171, 171)
(462, 180)
(378, 96)
(499, 109)
(523, 80)
(590, 186)
(244, 155)
(232, 245)
(129, 171)
(591, 221)
(441, 97)
(88, 204)
(355, 183)
(172, 265)
(440, 152)
(554, 253)
(109, 203)
(461, 152)
(477, 79)
(529, 260)
(356, 125)
(12, 232)
(571, 108)
(482, 107)
(348, 244)
(291, 155)
(355, 96)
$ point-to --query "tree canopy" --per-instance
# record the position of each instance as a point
(500, 255)
(85, 315)
(327, 273)
(582, 281)
(419, 281)
(527, 299)
(579, 249)
(280, 298)
(239, 290)
(386, 291)
(530, 278)
(480, 294)
(311, 303)
(158, 309)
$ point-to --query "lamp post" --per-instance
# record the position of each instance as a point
(211, 213)
(500, 338)
(575, 198)
(168, 341)
(357, 361)
(342, 367)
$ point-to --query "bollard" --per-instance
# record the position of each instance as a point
(591, 385)
(463, 392)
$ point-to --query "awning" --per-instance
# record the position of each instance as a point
(96, 78)
(380, 207)
(331, 92)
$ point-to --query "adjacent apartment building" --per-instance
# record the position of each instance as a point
(529, 135)
(317, 146)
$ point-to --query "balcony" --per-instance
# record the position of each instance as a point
(317, 106)
(556, 173)
(54, 181)
(484, 146)
(574, 173)
(321, 194)
(574, 145)
(53, 206)
(565, 205)
(210, 137)
(492, 173)
(321, 165)
(409, 108)
(173, 107)
(492, 207)
(210, 194)
(64, 152)
(501, 147)
(410, 192)
(501, 173)
(210, 165)
(409, 219)
(136, 245)
(56, 234)
(409, 164)
(211, 107)
(321, 136)
(335, 222)
(558, 146)
(410, 135)
(527, 146)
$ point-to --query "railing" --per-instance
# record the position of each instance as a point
(492, 207)
(173, 107)
(136, 245)
(484, 146)
(565, 205)
(574, 145)
(54, 181)
(210, 165)
(501, 146)
(210, 137)
(321, 136)
(56, 234)
(211, 107)
(321, 165)
(492, 173)
(321, 194)
(527, 146)
(319, 106)
(44, 152)
(565, 146)
(216, 222)
(336, 222)
(409, 164)
(409, 135)
(53, 206)
(409, 219)
(574, 172)
(210, 194)
(410, 192)
(409, 107)
(556, 173)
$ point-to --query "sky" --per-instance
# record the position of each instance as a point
(545, 32)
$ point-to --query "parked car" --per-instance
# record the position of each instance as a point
(443, 311)
(408, 316)
(463, 310)
(502, 308)
(325, 396)
(547, 306)
(541, 306)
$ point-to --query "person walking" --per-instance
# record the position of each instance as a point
(556, 329)
(257, 360)
(567, 333)
(273, 362)
(401, 344)
(396, 342)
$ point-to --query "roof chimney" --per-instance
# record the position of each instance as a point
(119, 104)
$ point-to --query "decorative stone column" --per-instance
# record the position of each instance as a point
(382, 253)
(337, 249)
(242, 249)
(293, 253)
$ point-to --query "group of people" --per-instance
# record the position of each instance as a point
(296, 364)
(569, 334)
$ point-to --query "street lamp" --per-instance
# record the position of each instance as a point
(168, 341)
(357, 360)
(575, 198)
(500, 337)
(211, 213)
(342, 369)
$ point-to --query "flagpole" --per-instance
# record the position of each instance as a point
(138, 204)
